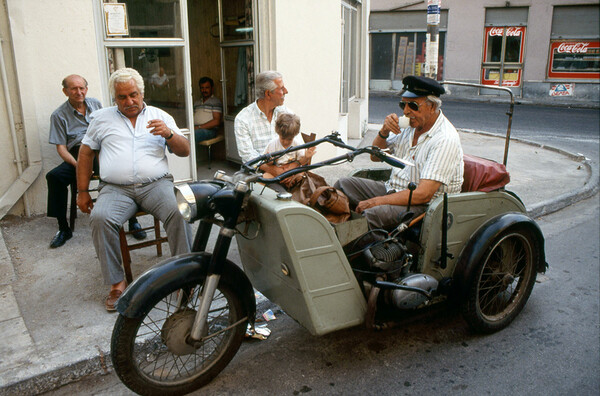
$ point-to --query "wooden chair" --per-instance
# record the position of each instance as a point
(73, 204)
(126, 247)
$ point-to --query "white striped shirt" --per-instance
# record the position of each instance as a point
(437, 156)
(253, 131)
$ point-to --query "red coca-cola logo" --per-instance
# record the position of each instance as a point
(511, 31)
(572, 48)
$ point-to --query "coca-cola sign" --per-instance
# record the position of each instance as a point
(572, 48)
(510, 31)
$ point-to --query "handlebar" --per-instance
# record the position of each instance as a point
(334, 138)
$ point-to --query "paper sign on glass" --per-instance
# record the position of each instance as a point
(115, 18)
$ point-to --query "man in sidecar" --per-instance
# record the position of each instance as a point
(430, 142)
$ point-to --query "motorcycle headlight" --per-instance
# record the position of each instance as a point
(186, 202)
(193, 199)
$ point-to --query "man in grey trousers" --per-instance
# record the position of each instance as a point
(130, 139)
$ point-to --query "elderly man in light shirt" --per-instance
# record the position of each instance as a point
(430, 142)
(130, 140)
(254, 125)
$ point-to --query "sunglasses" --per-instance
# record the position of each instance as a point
(414, 106)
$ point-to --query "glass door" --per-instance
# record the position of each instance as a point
(152, 38)
(237, 49)
(503, 56)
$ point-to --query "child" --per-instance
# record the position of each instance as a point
(287, 127)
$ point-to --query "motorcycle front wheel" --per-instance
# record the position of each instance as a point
(150, 354)
(503, 281)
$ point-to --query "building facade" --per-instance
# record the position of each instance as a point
(321, 47)
(547, 50)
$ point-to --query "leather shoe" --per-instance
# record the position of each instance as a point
(60, 238)
(111, 300)
(137, 231)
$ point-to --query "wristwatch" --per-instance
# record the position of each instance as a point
(170, 136)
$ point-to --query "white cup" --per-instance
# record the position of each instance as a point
(404, 122)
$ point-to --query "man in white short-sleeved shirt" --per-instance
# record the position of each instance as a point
(430, 142)
(130, 140)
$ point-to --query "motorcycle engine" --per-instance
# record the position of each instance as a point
(389, 256)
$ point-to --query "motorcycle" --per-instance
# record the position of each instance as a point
(182, 321)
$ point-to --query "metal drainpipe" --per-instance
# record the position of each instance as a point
(11, 120)
(23, 181)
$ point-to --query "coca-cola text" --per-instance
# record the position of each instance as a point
(510, 31)
(572, 48)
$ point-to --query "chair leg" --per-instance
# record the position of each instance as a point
(209, 155)
(73, 208)
(157, 237)
(125, 256)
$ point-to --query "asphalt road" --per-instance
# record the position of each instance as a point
(575, 130)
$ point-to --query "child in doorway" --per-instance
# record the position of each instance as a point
(287, 127)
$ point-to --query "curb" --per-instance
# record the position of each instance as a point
(575, 103)
(54, 379)
(559, 202)
(98, 365)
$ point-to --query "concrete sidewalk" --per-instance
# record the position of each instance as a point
(52, 319)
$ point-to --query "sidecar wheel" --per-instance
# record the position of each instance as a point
(149, 356)
(503, 281)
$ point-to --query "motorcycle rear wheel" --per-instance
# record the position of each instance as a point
(149, 356)
(503, 281)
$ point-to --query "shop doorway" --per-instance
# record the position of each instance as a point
(222, 46)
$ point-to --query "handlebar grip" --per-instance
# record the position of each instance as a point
(393, 161)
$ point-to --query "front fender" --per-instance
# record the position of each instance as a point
(170, 274)
(473, 252)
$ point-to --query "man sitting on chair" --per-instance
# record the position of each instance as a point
(130, 139)
(208, 112)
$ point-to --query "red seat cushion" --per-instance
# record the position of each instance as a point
(483, 175)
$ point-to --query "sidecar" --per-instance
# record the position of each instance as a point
(296, 258)
(478, 248)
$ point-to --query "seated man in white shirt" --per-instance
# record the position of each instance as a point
(430, 142)
(208, 111)
(254, 125)
(130, 139)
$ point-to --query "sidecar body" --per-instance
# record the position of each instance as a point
(295, 257)
(292, 255)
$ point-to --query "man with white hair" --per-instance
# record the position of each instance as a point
(130, 139)
(254, 125)
(430, 142)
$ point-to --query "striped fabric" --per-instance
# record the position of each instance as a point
(253, 131)
(437, 156)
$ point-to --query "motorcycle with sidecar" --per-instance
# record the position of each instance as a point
(182, 321)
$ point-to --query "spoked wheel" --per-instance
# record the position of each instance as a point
(503, 281)
(150, 354)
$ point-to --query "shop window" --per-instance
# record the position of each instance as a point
(163, 78)
(574, 59)
(153, 18)
(382, 56)
(350, 55)
(575, 47)
(503, 55)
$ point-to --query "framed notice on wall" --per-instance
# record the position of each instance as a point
(115, 19)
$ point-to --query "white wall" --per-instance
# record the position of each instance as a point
(51, 39)
(308, 46)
